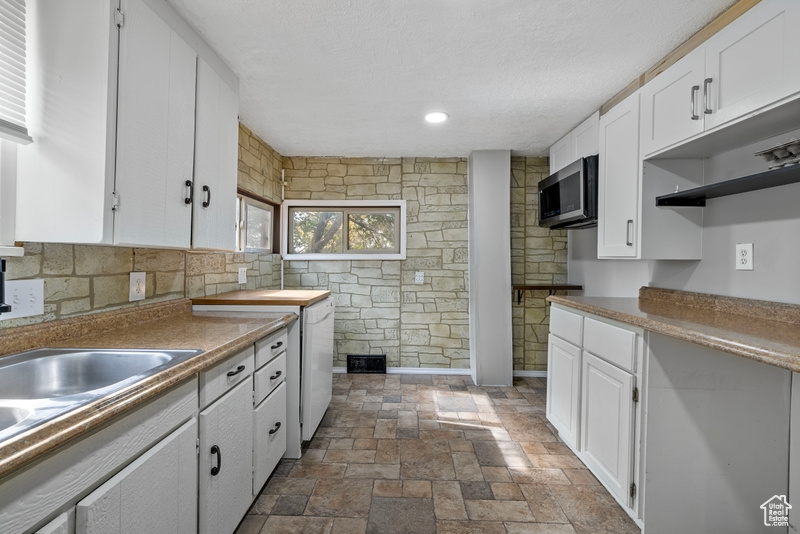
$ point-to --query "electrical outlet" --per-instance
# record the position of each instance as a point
(138, 286)
(419, 277)
(242, 275)
(744, 257)
(26, 298)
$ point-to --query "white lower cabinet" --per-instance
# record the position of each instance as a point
(606, 437)
(155, 493)
(225, 433)
(269, 436)
(592, 401)
(564, 388)
(59, 525)
(226, 452)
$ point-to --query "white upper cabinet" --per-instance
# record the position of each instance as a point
(155, 131)
(561, 153)
(580, 142)
(619, 181)
(216, 157)
(754, 61)
(112, 112)
(671, 104)
(750, 64)
(66, 176)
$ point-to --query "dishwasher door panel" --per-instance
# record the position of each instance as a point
(317, 363)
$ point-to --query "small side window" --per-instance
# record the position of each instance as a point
(255, 225)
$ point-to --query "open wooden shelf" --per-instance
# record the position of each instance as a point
(754, 182)
(552, 288)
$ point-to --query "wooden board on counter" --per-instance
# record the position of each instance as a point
(265, 297)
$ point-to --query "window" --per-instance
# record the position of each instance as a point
(255, 221)
(337, 229)
(12, 71)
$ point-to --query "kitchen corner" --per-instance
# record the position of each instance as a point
(156, 326)
(715, 392)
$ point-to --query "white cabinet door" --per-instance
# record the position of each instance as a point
(672, 104)
(269, 436)
(156, 493)
(564, 388)
(216, 161)
(561, 154)
(65, 177)
(754, 61)
(586, 137)
(607, 424)
(794, 454)
(59, 525)
(226, 460)
(155, 131)
(619, 181)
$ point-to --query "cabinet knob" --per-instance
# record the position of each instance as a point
(693, 97)
(189, 192)
(215, 450)
(237, 371)
(706, 92)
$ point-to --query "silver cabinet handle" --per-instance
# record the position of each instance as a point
(706, 84)
(695, 116)
(629, 233)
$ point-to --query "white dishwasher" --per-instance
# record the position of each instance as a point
(309, 376)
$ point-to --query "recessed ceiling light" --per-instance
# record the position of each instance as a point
(436, 116)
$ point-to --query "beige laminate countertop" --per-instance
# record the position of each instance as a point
(265, 297)
(170, 326)
(767, 332)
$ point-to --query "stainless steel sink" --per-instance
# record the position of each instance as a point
(41, 384)
(12, 415)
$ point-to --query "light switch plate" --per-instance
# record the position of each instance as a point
(242, 275)
(744, 257)
(138, 287)
(419, 277)
(26, 298)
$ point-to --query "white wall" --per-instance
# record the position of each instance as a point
(770, 219)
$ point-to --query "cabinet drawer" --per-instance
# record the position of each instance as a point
(269, 377)
(566, 325)
(269, 436)
(220, 378)
(271, 346)
(612, 343)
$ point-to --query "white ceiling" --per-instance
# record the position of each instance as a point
(356, 77)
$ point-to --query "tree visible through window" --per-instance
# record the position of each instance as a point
(345, 230)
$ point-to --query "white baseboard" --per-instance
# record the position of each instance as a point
(415, 371)
(531, 374)
(440, 371)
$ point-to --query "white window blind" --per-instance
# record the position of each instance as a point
(12, 71)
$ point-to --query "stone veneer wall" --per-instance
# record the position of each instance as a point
(538, 256)
(82, 279)
(379, 308)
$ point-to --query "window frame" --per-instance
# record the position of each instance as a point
(243, 198)
(345, 206)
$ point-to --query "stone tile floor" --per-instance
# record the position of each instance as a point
(421, 454)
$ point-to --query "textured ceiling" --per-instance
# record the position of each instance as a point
(356, 77)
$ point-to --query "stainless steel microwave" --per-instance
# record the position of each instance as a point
(568, 198)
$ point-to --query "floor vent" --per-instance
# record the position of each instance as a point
(366, 363)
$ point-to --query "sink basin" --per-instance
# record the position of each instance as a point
(39, 385)
(12, 415)
(51, 373)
